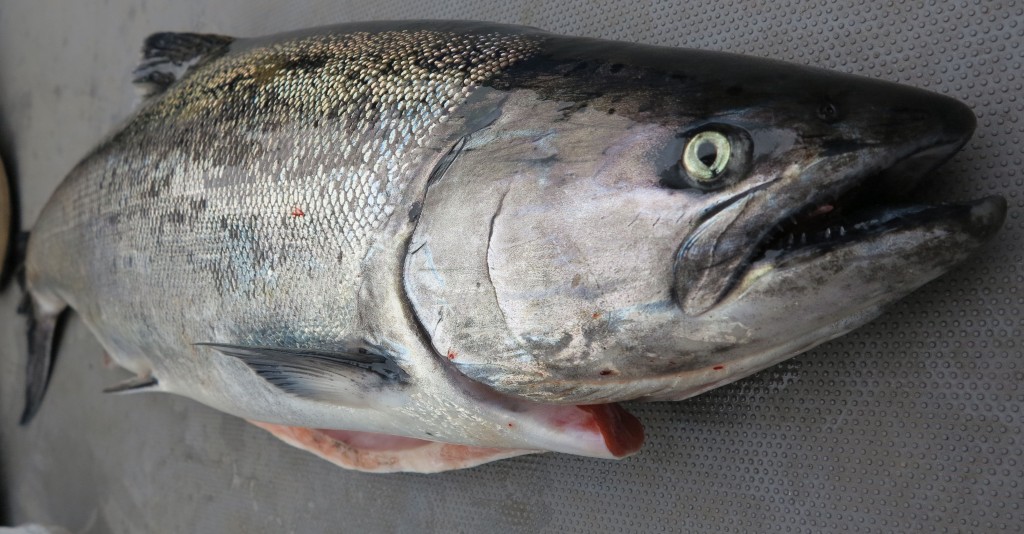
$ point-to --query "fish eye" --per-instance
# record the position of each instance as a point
(706, 156)
(709, 157)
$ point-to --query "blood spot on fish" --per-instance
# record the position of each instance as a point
(718, 367)
(297, 212)
(623, 434)
(609, 372)
(822, 210)
(511, 425)
(451, 354)
(596, 315)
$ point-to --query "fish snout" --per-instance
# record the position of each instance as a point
(957, 120)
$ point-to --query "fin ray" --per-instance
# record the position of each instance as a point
(42, 332)
(168, 56)
(135, 384)
(338, 376)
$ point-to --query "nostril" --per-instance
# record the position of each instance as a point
(828, 112)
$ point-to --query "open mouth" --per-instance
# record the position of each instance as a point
(868, 208)
(863, 204)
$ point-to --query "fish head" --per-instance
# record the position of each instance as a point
(647, 223)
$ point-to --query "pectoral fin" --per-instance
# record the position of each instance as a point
(133, 385)
(342, 376)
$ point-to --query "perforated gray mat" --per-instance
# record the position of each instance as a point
(912, 423)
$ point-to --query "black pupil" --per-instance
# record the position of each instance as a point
(707, 153)
(828, 112)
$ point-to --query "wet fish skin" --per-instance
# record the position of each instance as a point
(460, 231)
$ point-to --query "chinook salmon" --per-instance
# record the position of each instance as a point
(428, 245)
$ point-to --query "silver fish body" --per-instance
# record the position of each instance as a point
(483, 235)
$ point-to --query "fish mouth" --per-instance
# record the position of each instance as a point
(828, 226)
(862, 210)
(864, 203)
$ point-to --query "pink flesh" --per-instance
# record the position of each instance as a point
(369, 441)
(381, 453)
(821, 210)
(620, 432)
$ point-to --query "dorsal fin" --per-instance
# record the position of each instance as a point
(167, 57)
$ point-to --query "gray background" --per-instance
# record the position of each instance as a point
(911, 423)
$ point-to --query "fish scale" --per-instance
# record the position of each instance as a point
(319, 104)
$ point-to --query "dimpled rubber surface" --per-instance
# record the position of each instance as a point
(912, 423)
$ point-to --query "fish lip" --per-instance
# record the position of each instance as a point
(898, 168)
(896, 175)
(980, 219)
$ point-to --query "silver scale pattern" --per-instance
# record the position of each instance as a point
(911, 424)
(264, 113)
